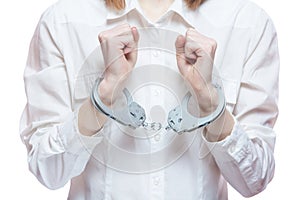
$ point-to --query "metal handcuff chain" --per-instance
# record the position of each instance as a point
(179, 119)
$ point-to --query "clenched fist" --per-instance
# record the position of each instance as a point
(119, 52)
(195, 56)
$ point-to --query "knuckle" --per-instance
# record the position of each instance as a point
(102, 36)
(190, 32)
(125, 27)
(210, 45)
(213, 43)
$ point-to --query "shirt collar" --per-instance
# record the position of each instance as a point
(182, 10)
(178, 7)
(130, 5)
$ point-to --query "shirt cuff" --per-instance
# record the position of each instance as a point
(73, 141)
(233, 148)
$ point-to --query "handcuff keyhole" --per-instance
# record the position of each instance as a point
(179, 120)
(132, 114)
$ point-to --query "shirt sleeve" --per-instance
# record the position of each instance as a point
(48, 126)
(245, 158)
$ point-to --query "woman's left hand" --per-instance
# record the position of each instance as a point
(195, 57)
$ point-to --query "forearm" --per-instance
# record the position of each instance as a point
(90, 120)
(208, 101)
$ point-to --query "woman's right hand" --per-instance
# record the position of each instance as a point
(120, 54)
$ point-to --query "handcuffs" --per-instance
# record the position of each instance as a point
(179, 119)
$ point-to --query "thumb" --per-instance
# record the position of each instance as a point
(135, 34)
(180, 56)
(132, 56)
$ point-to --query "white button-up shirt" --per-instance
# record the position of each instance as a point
(122, 163)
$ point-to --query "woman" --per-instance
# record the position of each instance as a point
(68, 139)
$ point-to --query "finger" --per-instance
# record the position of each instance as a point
(135, 34)
(131, 52)
(114, 32)
(190, 46)
(130, 40)
(179, 45)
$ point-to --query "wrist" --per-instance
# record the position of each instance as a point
(220, 128)
(90, 121)
(106, 92)
(109, 89)
(207, 99)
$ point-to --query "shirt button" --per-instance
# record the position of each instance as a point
(156, 93)
(231, 148)
(157, 137)
(155, 53)
(156, 181)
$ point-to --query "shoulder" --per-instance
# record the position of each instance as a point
(75, 11)
(233, 13)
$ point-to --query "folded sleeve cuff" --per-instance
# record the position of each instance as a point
(233, 147)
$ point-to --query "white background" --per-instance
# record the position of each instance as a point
(17, 22)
